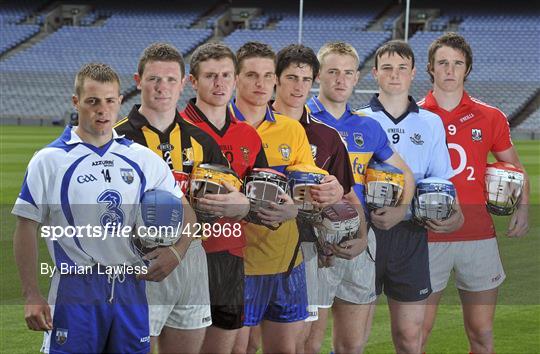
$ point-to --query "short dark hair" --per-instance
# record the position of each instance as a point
(208, 51)
(254, 50)
(161, 52)
(454, 41)
(297, 54)
(95, 71)
(399, 47)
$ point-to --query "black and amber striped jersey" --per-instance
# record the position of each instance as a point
(182, 145)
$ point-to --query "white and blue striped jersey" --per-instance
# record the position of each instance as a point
(418, 136)
(84, 190)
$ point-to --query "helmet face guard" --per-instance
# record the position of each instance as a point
(384, 185)
(301, 179)
(504, 185)
(263, 186)
(208, 179)
(434, 199)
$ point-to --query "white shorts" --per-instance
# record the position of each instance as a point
(309, 252)
(182, 299)
(352, 281)
(476, 264)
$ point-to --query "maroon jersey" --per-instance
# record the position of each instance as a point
(242, 146)
(328, 150)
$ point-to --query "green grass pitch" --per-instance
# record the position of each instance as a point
(517, 320)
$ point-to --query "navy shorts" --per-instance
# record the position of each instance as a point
(94, 313)
(402, 262)
(276, 297)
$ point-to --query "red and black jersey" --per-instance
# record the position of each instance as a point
(242, 146)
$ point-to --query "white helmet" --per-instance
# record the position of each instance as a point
(504, 184)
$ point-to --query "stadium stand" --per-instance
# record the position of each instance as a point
(36, 81)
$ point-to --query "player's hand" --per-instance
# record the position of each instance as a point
(163, 262)
(37, 313)
(327, 193)
(326, 260)
(277, 213)
(233, 205)
(387, 217)
(519, 222)
(453, 223)
(350, 248)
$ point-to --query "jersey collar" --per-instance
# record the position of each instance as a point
(430, 102)
(377, 106)
(316, 106)
(69, 137)
(235, 112)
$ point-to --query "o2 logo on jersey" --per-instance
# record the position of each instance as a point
(462, 161)
(113, 215)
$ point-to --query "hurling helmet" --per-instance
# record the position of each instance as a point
(504, 184)
(384, 185)
(208, 179)
(301, 179)
(434, 199)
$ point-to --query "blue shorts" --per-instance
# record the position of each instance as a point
(276, 297)
(87, 320)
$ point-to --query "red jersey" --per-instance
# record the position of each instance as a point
(242, 146)
(473, 129)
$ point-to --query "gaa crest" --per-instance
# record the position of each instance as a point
(127, 175)
(61, 335)
(285, 151)
(477, 135)
(359, 139)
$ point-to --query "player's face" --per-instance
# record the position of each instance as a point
(161, 85)
(98, 106)
(449, 69)
(394, 74)
(256, 80)
(338, 76)
(215, 82)
(294, 84)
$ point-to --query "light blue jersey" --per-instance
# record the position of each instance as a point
(418, 136)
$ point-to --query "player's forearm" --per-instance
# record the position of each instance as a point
(26, 253)
(190, 219)
(409, 188)
(352, 198)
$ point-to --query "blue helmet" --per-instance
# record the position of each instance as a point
(434, 199)
(301, 179)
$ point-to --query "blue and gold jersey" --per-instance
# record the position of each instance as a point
(364, 137)
(285, 143)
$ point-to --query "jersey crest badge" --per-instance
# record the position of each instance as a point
(285, 151)
(245, 154)
(127, 175)
(359, 139)
(187, 157)
(417, 139)
(61, 335)
(313, 151)
(477, 134)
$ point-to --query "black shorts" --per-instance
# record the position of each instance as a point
(226, 280)
(402, 262)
